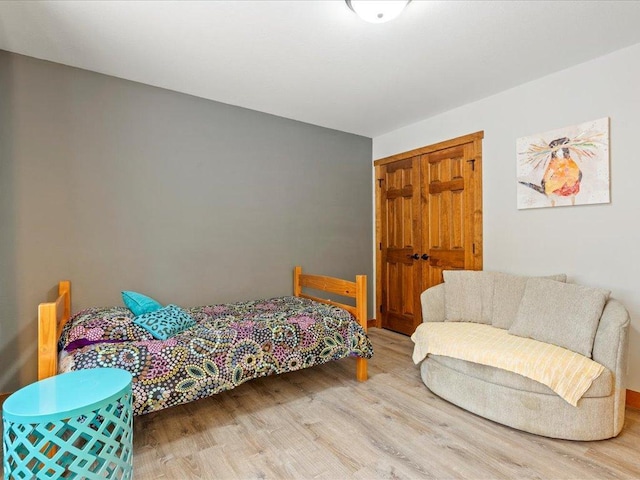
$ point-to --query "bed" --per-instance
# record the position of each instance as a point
(230, 343)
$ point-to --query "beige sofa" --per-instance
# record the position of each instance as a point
(507, 301)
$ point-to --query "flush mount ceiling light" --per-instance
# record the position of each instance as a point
(377, 11)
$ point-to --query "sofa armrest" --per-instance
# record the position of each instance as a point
(611, 342)
(432, 300)
(610, 349)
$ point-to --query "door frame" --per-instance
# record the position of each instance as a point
(476, 139)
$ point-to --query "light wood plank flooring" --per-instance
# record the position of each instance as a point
(321, 423)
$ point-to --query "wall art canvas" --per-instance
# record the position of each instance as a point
(564, 167)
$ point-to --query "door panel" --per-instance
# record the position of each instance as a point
(443, 231)
(400, 206)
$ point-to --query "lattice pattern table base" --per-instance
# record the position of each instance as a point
(96, 444)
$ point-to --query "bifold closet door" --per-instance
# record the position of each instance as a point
(428, 219)
(399, 183)
(449, 212)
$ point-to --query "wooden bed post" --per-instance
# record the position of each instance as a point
(47, 361)
(361, 307)
(64, 290)
(52, 317)
(297, 287)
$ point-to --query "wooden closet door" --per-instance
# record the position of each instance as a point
(428, 219)
(451, 209)
(399, 184)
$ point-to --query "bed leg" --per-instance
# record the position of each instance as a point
(361, 369)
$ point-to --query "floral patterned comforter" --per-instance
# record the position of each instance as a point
(230, 344)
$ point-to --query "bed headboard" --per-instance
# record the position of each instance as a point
(52, 316)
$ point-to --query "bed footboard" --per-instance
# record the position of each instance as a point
(345, 288)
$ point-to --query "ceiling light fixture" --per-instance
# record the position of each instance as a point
(377, 11)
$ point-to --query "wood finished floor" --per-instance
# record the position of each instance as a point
(321, 423)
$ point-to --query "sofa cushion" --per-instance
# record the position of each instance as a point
(567, 373)
(566, 315)
(507, 294)
(468, 296)
(601, 386)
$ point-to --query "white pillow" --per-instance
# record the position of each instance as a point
(507, 293)
(564, 314)
(468, 296)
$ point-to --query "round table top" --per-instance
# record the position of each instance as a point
(66, 395)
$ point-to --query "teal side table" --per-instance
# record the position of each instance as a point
(75, 425)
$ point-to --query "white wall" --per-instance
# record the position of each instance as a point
(596, 245)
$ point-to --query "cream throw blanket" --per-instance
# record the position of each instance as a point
(567, 373)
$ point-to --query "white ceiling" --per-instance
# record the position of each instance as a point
(315, 61)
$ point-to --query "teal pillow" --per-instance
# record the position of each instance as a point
(166, 322)
(139, 304)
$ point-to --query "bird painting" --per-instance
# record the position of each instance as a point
(562, 176)
(553, 169)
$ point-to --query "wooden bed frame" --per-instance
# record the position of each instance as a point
(52, 316)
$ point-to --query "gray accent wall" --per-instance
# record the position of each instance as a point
(117, 185)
